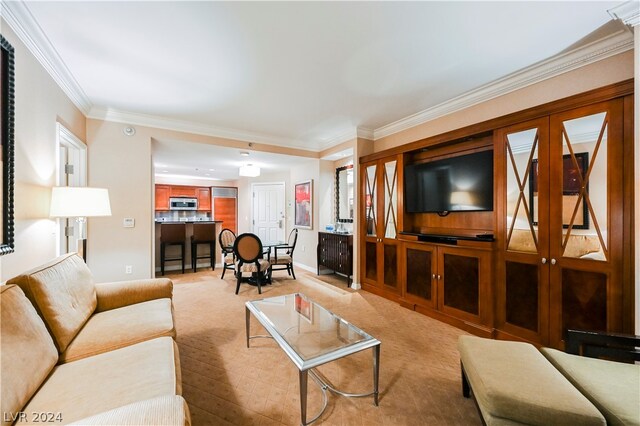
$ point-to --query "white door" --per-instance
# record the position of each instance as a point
(268, 211)
(72, 171)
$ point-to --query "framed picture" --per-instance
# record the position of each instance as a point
(7, 97)
(570, 191)
(304, 204)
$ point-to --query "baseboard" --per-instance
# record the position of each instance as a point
(305, 267)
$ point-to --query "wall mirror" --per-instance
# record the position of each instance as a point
(6, 140)
(344, 194)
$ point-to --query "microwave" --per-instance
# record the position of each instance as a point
(183, 203)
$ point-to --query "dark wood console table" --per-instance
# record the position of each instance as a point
(335, 251)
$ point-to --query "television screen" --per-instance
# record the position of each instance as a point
(463, 183)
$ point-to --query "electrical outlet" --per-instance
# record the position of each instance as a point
(128, 269)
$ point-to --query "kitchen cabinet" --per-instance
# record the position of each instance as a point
(562, 224)
(380, 249)
(335, 251)
(164, 192)
(162, 197)
(183, 191)
(204, 199)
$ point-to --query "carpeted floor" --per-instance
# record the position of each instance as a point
(225, 383)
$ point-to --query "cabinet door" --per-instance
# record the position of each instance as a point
(586, 219)
(388, 253)
(420, 266)
(522, 290)
(464, 277)
(183, 191)
(380, 259)
(204, 199)
(369, 226)
(162, 197)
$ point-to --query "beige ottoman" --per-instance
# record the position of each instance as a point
(513, 383)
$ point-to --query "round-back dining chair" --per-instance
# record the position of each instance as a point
(248, 252)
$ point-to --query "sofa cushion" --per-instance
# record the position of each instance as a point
(513, 381)
(160, 411)
(110, 380)
(117, 328)
(613, 387)
(63, 293)
(28, 352)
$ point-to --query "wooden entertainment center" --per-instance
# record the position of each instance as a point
(556, 250)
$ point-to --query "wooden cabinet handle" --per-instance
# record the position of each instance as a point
(544, 260)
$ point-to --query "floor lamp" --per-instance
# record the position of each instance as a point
(79, 202)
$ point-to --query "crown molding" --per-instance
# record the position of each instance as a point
(628, 12)
(20, 19)
(158, 122)
(616, 43)
(365, 133)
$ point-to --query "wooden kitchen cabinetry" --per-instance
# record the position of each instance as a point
(380, 251)
(449, 282)
(183, 191)
(204, 198)
(164, 192)
(162, 197)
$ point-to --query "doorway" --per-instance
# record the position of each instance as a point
(71, 170)
(268, 221)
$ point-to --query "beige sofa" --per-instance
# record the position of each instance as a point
(78, 352)
(514, 383)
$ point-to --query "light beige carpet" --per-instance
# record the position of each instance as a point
(225, 383)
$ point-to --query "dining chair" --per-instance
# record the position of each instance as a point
(226, 238)
(247, 249)
(284, 261)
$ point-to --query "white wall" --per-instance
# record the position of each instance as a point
(123, 165)
(39, 104)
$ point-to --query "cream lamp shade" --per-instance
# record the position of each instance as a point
(76, 201)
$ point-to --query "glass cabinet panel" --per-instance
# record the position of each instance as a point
(584, 187)
(390, 199)
(371, 199)
(522, 191)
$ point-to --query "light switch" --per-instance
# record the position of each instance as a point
(128, 222)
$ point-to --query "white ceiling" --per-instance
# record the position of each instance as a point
(304, 74)
(178, 160)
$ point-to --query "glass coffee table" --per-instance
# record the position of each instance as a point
(311, 335)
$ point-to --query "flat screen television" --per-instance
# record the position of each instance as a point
(456, 184)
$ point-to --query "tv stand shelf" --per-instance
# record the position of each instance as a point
(449, 239)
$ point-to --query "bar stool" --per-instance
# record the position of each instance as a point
(172, 234)
(203, 233)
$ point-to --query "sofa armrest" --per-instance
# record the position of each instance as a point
(163, 410)
(597, 344)
(124, 293)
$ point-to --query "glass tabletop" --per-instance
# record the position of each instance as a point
(310, 334)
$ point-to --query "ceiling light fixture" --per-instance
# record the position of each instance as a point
(249, 170)
(244, 153)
